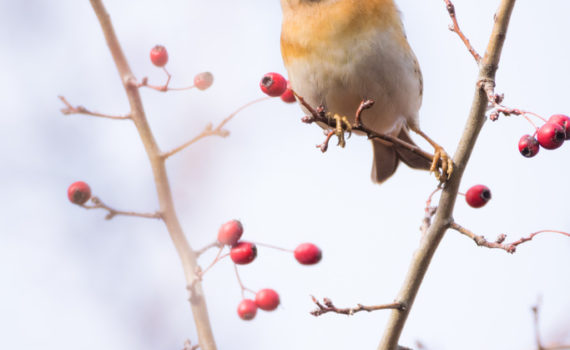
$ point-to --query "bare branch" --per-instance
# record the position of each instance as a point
(69, 109)
(455, 28)
(137, 113)
(98, 204)
(329, 307)
(498, 243)
(320, 115)
(443, 217)
(209, 130)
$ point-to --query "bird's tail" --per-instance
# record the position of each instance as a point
(387, 158)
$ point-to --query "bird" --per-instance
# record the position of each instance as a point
(338, 53)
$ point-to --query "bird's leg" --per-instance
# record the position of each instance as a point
(439, 154)
(342, 124)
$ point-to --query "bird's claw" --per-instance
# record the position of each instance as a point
(342, 124)
(446, 165)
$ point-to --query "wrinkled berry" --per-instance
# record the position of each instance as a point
(273, 84)
(230, 232)
(528, 146)
(563, 121)
(267, 299)
(203, 80)
(308, 254)
(478, 195)
(243, 253)
(247, 309)
(79, 192)
(159, 56)
(551, 135)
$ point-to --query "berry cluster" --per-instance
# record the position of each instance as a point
(243, 252)
(551, 135)
(274, 84)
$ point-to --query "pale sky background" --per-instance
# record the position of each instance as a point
(71, 280)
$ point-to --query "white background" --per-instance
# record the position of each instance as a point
(72, 280)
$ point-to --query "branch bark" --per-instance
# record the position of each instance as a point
(137, 114)
(444, 216)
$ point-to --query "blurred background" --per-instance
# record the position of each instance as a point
(71, 279)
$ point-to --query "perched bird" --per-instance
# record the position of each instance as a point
(338, 52)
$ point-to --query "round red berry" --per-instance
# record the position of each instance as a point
(267, 299)
(308, 254)
(159, 56)
(273, 84)
(288, 96)
(551, 135)
(79, 192)
(243, 253)
(247, 309)
(563, 121)
(203, 80)
(230, 232)
(528, 146)
(478, 195)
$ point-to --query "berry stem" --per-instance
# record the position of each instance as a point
(242, 287)
(214, 244)
(218, 257)
(98, 204)
(273, 247)
(210, 131)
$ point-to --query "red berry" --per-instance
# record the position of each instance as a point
(203, 80)
(267, 299)
(273, 84)
(79, 192)
(230, 232)
(528, 146)
(159, 56)
(478, 195)
(563, 121)
(247, 309)
(551, 135)
(308, 254)
(243, 253)
(288, 96)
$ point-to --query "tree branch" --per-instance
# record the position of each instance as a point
(443, 218)
(137, 114)
(349, 311)
(498, 244)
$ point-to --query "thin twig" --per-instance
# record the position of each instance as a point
(272, 247)
(329, 307)
(70, 109)
(98, 204)
(209, 130)
(498, 243)
(188, 345)
(443, 218)
(455, 28)
(320, 116)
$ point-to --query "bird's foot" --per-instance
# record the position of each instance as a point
(439, 155)
(342, 124)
